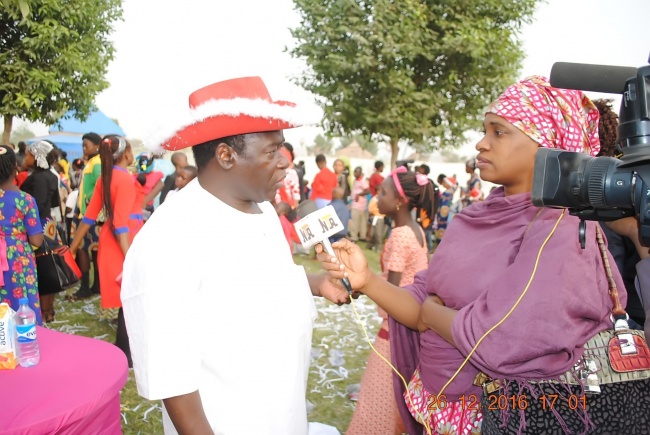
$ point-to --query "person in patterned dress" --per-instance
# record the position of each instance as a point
(290, 190)
(472, 192)
(404, 254)
(43, 185)
(21, 230)
(446, 201)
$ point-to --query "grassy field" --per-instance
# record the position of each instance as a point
(339, 353)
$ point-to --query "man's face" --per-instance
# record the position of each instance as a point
(260, 169)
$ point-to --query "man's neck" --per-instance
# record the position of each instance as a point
(219, 187)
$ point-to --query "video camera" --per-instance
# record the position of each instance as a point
(602, 188)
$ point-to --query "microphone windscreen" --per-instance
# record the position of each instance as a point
(589, 77)
(305, 208)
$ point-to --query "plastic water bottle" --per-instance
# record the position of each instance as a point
(28, 354)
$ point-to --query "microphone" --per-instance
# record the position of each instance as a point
(317, 226)
(608, 79)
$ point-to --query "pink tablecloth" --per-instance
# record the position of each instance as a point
(75, 389)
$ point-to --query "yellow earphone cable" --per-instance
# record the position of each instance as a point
(530, 280)
(423, 420)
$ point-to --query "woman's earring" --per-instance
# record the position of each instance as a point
(397, 207)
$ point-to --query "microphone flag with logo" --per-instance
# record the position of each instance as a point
(317, 226)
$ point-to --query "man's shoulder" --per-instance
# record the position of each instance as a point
(170, 225)
(191, 204)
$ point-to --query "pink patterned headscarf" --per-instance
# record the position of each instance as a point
(552, 117)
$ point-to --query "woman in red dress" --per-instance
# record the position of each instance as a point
(122, 202)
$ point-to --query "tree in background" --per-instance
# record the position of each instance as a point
(450, 155)
(421, 71)
(21, 133)
(54, 56)
(364, 142)
(322, 145)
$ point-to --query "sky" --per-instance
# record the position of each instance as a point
(166, 49)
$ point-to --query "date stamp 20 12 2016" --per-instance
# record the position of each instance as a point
(466, 402)
(502, 402)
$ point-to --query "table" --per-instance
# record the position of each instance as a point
(74, 389)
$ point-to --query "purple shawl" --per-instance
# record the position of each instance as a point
(480, 269)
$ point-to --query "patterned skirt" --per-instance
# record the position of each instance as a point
(620, 408)
(449, 418)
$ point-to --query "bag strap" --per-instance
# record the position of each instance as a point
(617, 310)
(65, 235)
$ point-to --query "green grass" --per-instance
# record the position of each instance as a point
(339, 353)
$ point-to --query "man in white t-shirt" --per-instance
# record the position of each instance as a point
(219, 316)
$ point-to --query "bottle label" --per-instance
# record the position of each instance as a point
(26, 333)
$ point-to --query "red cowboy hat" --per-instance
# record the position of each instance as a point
(229, 108)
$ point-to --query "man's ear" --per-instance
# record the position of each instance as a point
(225, 156)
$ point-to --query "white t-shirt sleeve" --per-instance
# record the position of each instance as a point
(160, 287)
(71, 202)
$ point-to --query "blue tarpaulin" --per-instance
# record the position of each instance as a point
(66, 133)
(68, 143)
(97, 122)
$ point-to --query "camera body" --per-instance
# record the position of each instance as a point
(602, 188)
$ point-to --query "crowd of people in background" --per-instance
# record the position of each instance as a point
(354, 196)
(43, 196)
